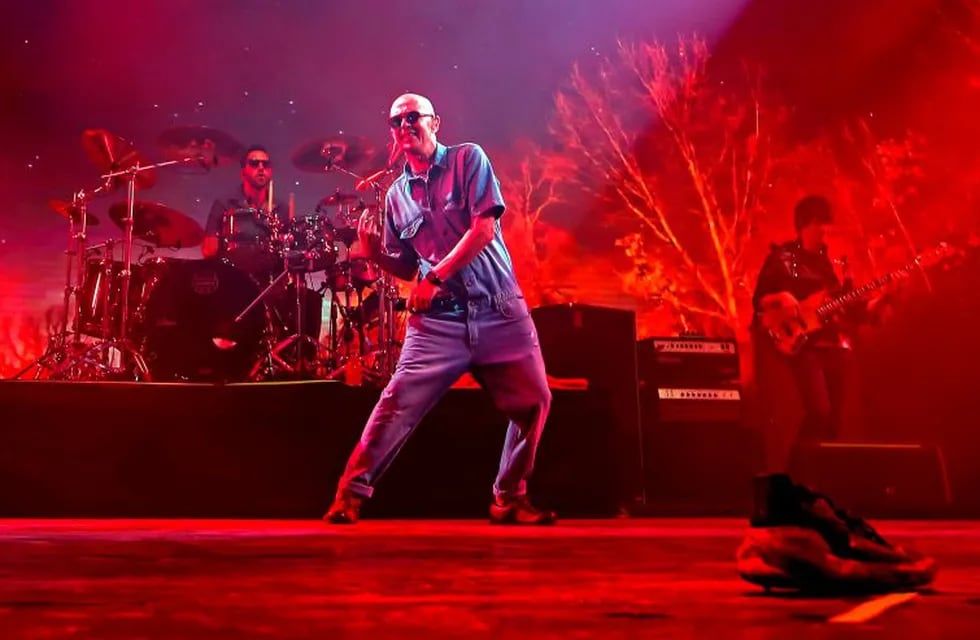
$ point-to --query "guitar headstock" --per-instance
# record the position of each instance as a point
(941, 253)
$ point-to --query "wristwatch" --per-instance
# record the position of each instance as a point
(434, 278)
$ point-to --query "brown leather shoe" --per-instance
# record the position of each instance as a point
(346, 509)
(519, 510)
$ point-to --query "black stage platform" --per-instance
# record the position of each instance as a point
(273, 450)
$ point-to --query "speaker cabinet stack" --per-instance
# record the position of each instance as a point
(698, 457)
(879, 480)
(599, 345)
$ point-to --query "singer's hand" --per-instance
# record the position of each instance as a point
(421, 296)
(369, 233)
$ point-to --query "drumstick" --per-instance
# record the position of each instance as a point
(269, 207)
(292, 205)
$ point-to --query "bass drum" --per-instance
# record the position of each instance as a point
(189, 328)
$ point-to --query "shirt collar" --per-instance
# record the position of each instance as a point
(439, 159)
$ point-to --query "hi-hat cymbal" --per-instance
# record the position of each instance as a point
(352, 153)
(70, 211)
(362, 206)
(215, 146)
(338, 198)
(110, 153)
(159, 224)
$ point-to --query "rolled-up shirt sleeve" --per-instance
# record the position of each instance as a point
(482, 187)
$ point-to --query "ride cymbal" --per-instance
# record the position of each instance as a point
(158, 224)
(111, 153)
(214, 147)
(351, 153)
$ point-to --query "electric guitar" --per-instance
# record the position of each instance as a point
(790, 322)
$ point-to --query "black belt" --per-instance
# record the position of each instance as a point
(445, 304)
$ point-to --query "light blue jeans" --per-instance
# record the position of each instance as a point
(496, 340)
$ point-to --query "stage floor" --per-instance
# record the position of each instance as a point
(287, 579)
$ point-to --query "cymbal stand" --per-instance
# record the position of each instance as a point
(386, 357)
(266, 364)
(78, 200)
(58, 350)
(115, 353)
(272, 359)
(299, 339)
(122, 345)
(341, 336)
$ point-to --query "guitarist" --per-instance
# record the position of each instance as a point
(820, 370)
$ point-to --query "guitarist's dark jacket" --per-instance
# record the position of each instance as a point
(790, 267)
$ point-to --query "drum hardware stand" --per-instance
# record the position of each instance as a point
(386, 357)
(59, 351)
(114, 354)
(342, 361)
(299, 338)
(265, 365)
(384, 363)
(272, 359)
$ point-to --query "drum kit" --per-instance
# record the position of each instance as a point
(131, 315)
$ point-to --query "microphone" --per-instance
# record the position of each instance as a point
(365, 183)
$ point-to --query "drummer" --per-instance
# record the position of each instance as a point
(239, 226)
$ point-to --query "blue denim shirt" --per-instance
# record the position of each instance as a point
(428, 214)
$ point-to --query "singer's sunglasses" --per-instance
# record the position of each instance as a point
(254, 162)
(411, 118)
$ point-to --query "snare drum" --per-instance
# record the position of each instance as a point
(310, 244)
(190, 326)
(246, 240)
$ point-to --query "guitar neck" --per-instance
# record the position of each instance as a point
(860, 293)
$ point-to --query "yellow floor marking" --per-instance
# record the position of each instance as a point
(867, 610)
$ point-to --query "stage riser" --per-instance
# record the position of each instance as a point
(272, 450)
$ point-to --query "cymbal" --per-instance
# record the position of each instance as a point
(364, 206)
(352, 153)
(110, 153)
(70, 211)
(217, 146)
(159, 224)
(337, 198)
